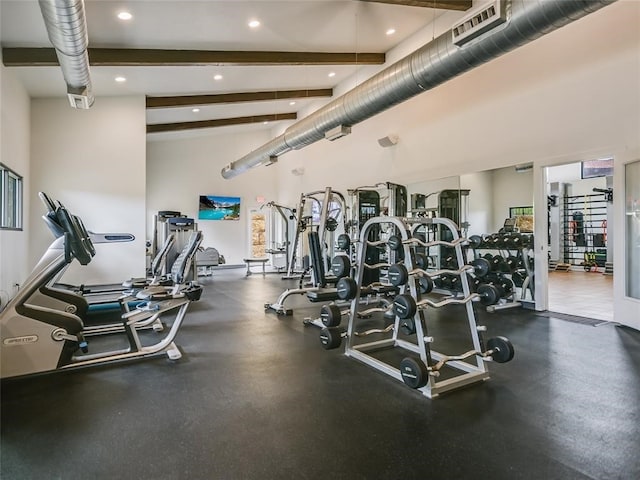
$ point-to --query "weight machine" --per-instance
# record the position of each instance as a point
(282, 248)
(366, 203)
(328, 214)
(170, 222)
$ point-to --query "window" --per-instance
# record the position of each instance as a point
(632, 199)
(10, 199)
(523, 218)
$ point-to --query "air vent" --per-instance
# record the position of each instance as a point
(81, 102)
(479, 21)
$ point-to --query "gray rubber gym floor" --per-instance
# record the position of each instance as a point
(256, 397)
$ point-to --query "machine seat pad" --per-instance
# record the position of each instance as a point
(323, 295)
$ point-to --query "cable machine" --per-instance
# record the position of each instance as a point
(323, 210)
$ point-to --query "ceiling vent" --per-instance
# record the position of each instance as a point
(82, 101)
(479, 21)
(337, 132)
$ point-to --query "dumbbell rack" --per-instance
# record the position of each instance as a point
(466, 371)
(499, 243)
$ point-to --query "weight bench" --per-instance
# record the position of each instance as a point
(251, 261)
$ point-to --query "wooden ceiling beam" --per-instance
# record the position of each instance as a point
(461, 5)
(236, 97)
(220, 122)
(141, 57)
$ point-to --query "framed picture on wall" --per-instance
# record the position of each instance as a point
(213, 207)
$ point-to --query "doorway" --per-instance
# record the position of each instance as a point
(580, 213)
(258, 233)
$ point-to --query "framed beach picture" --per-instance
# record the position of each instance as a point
(213, 207)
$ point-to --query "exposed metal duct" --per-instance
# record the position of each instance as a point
(67, 29)
(429, 66)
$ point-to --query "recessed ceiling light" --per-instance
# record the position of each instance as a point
(254, 23)
(217, 77)
(332, 74)
(120, 79)
(391, 31)
(124, 16)
(292, 103)
(195, 110)
(265, 122)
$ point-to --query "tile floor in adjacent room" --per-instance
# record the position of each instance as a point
(580, 293)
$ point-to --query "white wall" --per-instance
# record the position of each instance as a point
(510, 189)
(14, 153)
(432, 188)
(179, 171)
(556, 95)
(94, 162)
(572, 173)
(571, 95)
(481, 191)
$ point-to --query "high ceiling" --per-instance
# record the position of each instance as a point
(313, 27)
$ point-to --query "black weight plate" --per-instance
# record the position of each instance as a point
(475, 241)
(473, 282)
(438, 282)
(330, 338)
(425, 284)
(408, 326)
(330, 315)
(518, 278)
(481, 267)
(341, 266)
(398, 274)
(449, 263)
(394, 242)
(414, 372)
(489, 294)
(502, 349)
(505, 284)
(512, 263)
(496, 263)
(404, 306)
(447, 282)
(421, 261)
(488, 257)
(331, 224)
(346, 288)
(516, 240)
(344, 241)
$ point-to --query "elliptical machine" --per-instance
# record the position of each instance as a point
(37, 339)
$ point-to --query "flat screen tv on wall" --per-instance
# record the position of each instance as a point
(603, 167)
(213, 207)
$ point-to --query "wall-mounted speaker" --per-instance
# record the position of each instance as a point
(388, 141)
